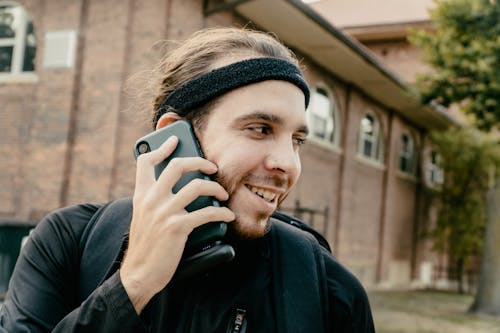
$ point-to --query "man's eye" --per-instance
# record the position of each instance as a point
(264, 130)
(299, 141)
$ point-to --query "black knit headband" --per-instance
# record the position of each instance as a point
(206, 87)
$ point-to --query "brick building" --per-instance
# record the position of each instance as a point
(68, 126)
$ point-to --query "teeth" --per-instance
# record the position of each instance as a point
(267, 195)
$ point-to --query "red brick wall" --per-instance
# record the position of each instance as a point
(397, 243)
(67, 138)
(40, 113)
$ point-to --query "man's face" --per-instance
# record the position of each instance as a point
(253, 134)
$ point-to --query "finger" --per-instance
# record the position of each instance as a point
(199, 187)
(179, 166)
(206, 215)
(145, 173)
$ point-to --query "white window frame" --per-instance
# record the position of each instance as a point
(434, 171)
(375, 139)
(408, 154)
(18, 42)
(331, 135)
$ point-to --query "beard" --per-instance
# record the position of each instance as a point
(249, 223)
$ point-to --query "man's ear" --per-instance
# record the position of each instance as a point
(167, 119)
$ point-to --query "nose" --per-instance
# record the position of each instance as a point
(284, 158)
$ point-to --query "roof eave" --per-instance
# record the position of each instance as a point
(300, 27)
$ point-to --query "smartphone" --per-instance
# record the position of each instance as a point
(207, 236)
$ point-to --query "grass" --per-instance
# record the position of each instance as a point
(427, 312)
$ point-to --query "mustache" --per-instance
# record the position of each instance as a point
(278, 181)
(274, 180)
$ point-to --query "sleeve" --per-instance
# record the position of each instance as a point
(108, 309)
(43, 290)
(349, 306)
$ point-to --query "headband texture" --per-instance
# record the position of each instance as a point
(208, 86)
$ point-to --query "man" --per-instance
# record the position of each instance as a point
(246, 98)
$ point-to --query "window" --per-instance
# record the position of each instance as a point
(17, 40)
(434, 170)
(369, 137)
(407, 154)
(322, 116)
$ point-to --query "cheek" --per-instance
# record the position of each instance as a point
(298, 162)
(297, 169)
(233, 155)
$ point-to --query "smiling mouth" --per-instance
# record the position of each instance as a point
(264, 194)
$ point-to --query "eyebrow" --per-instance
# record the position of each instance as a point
(303, 129)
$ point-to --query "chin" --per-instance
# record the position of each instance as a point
(248, 228)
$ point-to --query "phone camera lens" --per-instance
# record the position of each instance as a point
(143, 148)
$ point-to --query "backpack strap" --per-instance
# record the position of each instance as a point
(103, 244)
(299, 280)
(302, 226)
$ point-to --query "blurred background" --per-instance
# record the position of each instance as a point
(376, 176)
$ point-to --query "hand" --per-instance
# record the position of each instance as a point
(160, 225)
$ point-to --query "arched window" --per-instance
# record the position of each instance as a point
(322, 116)
(369, 137)
(407, 154)
(17, 40)
(434, 170)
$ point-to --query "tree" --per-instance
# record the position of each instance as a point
(467, 157)
(464, 50)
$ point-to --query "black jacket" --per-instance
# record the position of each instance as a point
(67, 280)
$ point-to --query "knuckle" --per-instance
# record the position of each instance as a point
(216, 215)
(176, 225)
(147, 159)
(198, 183)
(147, 202)
(195, 186)
(175, 163)
(142, 158)
(212, 213)
(200, 160)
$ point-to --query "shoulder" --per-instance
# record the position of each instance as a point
(341, 281)
(59, 232)
(348, 305)
(69, 221)
(348, 300)
(75, 214)
(79, 219)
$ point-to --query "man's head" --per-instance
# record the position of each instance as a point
(253, 131)
(206, 50)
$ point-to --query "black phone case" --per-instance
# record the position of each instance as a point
(202, 261)
(205, 236)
